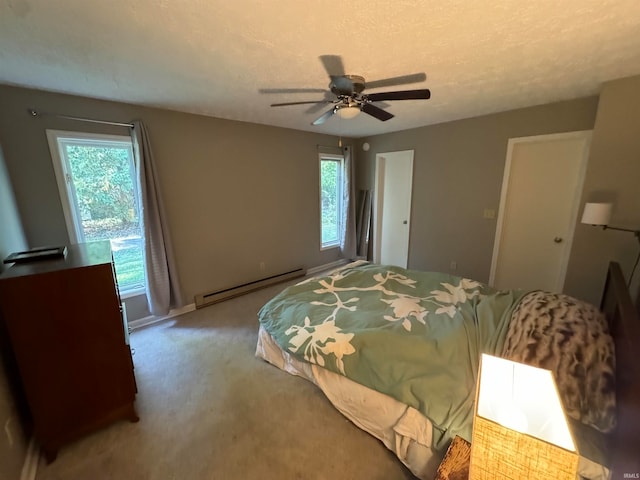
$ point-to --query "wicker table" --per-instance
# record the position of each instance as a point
(455, 464)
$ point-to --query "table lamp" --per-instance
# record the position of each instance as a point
(519, 429)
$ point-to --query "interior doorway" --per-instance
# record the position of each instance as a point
(392, 207)
(539, 205)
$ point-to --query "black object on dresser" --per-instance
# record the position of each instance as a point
(64, 322)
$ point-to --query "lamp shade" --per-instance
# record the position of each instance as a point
(519, 427)
(348, 112)
(597, 213)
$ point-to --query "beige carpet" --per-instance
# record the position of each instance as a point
(209, 409)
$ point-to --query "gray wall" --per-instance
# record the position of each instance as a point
(11, 234)
(458, 172)
(613, 175)
(12, 453)
(236, 194)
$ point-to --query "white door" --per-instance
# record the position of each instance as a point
(394, 176)
(539, 206)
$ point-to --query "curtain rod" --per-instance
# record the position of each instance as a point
(35, 113)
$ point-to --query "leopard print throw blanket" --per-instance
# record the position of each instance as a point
(570, 338)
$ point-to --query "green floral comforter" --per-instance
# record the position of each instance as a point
(415, 336)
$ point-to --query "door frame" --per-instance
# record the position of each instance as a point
(378, 195)
(564, 262)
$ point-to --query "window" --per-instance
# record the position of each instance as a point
(96, 179)
(331, 204)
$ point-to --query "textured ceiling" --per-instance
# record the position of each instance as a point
(212, 57)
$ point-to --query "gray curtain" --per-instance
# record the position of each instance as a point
(348, 221)
(162, 287)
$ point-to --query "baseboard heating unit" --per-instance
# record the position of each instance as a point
(209, 298)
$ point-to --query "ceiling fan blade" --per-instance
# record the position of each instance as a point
(374, 111)
(333, 65)
(315, 108)
(300, 103)
(324, 117)
(328, 98)
(401, 80)
(292, 90)
(424, 94)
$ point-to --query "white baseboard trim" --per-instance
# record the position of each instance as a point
(327, 266)
(31, 460)
(151, 319)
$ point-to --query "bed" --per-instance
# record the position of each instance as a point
(397, 352)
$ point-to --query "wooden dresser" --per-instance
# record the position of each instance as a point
(64, 323)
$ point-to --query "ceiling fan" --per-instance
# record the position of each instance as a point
(346, 93)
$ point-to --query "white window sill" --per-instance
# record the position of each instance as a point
(132, 293)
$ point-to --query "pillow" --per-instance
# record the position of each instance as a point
(571, 338)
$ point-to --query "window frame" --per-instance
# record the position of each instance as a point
(332, 157)
(66, 189)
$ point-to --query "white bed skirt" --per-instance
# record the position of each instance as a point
(402, 429)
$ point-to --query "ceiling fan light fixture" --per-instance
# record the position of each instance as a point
(347, 111)
(346, 95)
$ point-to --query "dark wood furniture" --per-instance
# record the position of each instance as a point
(64, 323)
(624, 325)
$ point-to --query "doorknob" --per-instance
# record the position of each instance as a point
(557, 240)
